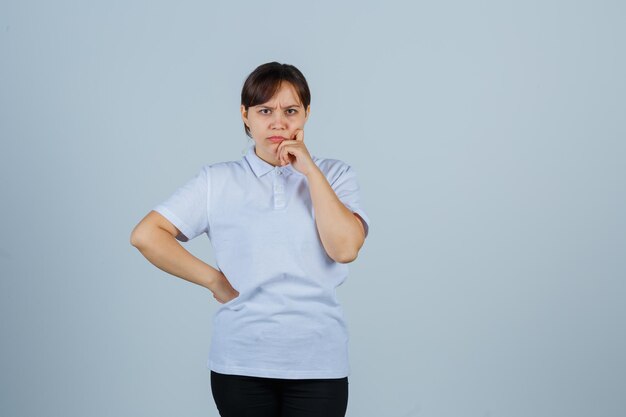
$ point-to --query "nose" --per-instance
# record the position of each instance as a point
(279, 120)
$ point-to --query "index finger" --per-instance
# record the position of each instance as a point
(299, 135)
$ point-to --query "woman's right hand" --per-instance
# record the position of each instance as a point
(223, 291)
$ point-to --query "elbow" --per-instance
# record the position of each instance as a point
(346, 257)
(136, 237)
(347, 253)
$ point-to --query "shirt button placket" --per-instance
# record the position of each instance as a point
(279, 189)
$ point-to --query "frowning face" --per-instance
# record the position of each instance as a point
(274, 121)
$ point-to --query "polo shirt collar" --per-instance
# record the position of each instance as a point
(261, 167)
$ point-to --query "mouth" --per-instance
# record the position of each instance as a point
(276, 139)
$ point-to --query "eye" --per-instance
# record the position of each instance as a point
(262, 110)
(294, 111)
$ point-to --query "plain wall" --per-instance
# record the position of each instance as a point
(489, 141)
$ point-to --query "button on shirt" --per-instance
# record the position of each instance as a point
(286, 321)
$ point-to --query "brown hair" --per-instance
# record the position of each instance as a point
(264, 82)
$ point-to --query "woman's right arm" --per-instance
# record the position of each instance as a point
(155, 238)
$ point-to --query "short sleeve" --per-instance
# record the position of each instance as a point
(346, 186)
(187, 207)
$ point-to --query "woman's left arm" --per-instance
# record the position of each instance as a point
(341, 231)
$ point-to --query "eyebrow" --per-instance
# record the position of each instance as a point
(286, 107)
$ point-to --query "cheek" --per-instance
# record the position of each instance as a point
(295, 124)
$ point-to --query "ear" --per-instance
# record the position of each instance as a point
(244, 114)
(308, 112)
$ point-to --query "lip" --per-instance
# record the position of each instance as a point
(276, 139)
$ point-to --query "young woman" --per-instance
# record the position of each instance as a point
(283, 224)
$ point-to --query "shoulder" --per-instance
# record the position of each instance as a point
(224, 167)
(331, 167)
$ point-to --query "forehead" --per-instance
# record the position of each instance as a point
(285, 96)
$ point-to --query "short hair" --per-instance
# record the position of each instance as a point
(266, 79)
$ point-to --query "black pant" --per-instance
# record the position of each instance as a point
(251, 396)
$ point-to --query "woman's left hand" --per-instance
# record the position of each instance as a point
(294, 152)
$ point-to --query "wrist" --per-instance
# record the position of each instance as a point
(211, 278)
(315, 171)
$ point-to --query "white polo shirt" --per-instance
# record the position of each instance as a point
(286, 321)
